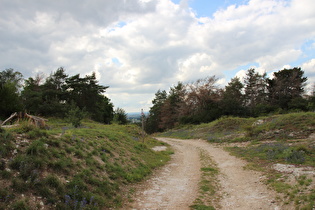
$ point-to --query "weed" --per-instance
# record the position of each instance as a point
(52, 181)
(209, 170)
(297, 157)
(19, 185)
(20, 205)
(37, 133)
(36, 148)
(202, 207)
(6, 144)
(25, 127)
(5, 174)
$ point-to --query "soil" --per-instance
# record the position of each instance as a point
(175, 186)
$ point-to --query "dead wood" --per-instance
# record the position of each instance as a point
(37, 121)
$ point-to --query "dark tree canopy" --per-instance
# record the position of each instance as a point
(286, 86)
(232, 99)
(203, 101)
(59, 92)
(10, 85)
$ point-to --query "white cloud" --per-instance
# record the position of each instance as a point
(138, 47)
(309, 69)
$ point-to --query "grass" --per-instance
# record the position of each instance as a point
(234, 129)
(273, 139)
(208, 196)
(73, 168)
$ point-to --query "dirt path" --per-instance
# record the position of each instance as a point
(175, 186)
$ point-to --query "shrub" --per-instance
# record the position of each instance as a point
(296, 156)
(75, 116)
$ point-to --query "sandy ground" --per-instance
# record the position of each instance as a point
(175, 186)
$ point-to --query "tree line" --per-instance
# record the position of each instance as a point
(203, 101)
(58, 95)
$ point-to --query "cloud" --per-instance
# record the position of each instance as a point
(309, 69)
(138, 47)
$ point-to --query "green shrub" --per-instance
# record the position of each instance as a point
(75, 116)
(296, 156)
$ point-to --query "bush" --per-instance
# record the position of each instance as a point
(75, 116)
(296, 156)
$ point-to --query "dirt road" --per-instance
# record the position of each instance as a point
(175, 186)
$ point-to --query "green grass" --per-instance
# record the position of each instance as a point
(234, 129)
(73, 168)
(271, 139)
(208, 195)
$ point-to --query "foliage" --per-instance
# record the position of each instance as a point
(255, 91)
(152, 122)
(287, 86)
(120, 116)
(234, 129)
(232, 99)
(203, 101)
(75, 115)
(10, 84)
(55, 96)
(82, 168)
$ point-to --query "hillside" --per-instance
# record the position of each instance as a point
(67, 168)
(281, 147)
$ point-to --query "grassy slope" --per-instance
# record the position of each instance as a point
(67, 168)
(285, 139)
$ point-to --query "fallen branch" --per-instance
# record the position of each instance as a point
(37, 121)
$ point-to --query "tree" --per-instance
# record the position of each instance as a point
(55, 94)
(171, 108)
(87, 93)
(84, 91)
(75, 115)
(255, 92)
(311, 101)
(285, 87)
(104, 110)
(33, 95)
(202, 101)
(120, 116)
(10, 85)
(154, 118)
(233, 98)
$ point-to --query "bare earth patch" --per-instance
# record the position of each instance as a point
(175, 186)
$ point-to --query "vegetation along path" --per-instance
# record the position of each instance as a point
(175, 186)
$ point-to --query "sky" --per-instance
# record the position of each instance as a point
(137, 47)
